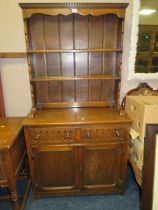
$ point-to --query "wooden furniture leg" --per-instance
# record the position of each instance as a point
(13, 161)
(15, 199)
(12, 182)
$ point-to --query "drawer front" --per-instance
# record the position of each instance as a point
(103, 134)
(50, 135)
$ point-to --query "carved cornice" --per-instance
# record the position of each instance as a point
(70, 8)
(73, 5)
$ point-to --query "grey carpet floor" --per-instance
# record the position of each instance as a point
(128, 201)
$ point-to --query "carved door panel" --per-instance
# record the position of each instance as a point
(102, 167)
(55, 169)
(52, 135)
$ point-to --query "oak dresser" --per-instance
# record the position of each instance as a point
(76, 136)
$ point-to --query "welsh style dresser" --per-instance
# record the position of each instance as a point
(76, 137)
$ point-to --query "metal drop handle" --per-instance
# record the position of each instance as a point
(117, 133)
(37, 136)
(67, 135)
(87, 134)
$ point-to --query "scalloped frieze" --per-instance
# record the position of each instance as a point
(67, 9)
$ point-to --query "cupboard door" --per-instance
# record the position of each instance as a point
(54, 169)
(102, 168)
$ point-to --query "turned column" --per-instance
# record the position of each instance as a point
(11, 180)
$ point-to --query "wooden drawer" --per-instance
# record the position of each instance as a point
(101, 134)
(52, 135)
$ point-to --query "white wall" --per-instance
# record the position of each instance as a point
(15, 80)
(16, 87)
(14, 74)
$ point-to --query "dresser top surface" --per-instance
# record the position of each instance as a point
(76, 116)
(9, 130)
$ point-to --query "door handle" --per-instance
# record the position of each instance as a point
(87, 134)
(117, 133)
(67, 134)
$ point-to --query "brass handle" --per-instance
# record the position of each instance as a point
(117, 133)
(67, 135)
(37, 136)
(87, 135)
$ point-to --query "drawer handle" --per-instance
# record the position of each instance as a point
(37, 136)
(67, 135)
(117, 133)
(87, 135)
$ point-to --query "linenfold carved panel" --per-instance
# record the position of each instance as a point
(49, 135)
(102, 134)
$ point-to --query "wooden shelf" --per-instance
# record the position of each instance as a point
(67, 64)
(50, 105)
(76, 50)
(97, 77)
